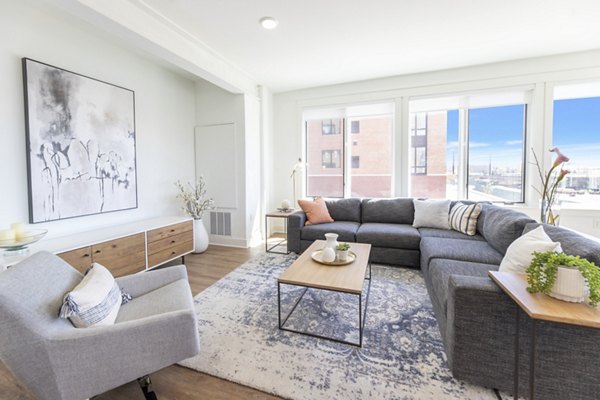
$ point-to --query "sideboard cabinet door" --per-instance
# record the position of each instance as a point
(123, 256)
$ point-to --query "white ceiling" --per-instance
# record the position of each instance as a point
(322, 42)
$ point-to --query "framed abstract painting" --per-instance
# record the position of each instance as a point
(81, 150)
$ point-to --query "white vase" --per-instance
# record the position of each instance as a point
(200, 236)
(328, 254)
(569, 285)
(331, 241)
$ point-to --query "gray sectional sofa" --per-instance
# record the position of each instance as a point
(475, 317)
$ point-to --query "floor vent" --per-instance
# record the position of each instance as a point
(220, 223)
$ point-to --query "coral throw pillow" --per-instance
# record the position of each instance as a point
(315, 210)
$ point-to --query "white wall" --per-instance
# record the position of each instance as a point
(542, 73)
(164, 106)
(216, 106)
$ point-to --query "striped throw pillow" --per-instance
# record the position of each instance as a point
(95, 301)
(463, 218)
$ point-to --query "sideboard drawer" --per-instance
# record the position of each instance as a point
(171, 241)
(171, 252)
(169, 230)
(122, 256)
(81, 259)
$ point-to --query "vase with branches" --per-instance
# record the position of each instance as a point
(195, 203)
(550, 182)
(194, 199)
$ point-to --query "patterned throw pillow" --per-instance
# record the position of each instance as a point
(95, 301)
(463, 218)
(315, 210)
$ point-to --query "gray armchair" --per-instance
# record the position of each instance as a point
(55, 360)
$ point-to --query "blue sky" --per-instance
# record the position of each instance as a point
(576, 130)
(497, 132)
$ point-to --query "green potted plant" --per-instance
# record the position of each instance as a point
(342, 251)
(564, 277)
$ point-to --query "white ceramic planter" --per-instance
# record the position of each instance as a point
(569, 285)
(200, 236)
(342, 255)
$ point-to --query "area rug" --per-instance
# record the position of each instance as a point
(402, 355)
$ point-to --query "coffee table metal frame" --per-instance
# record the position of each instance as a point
(362, 314)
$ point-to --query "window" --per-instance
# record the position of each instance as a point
(469, 146)
(329, 127)
(324, 176)
(334, 167)
(576, 132)
(496, 153)
(418, 135)
(331, 158)
(433, 152)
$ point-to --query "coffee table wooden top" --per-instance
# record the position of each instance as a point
(347, 278)
(543, 307)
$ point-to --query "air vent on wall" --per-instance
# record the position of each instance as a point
(220, 223)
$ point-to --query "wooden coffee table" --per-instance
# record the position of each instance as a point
(307, 273)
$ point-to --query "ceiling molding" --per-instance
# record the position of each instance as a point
(145, 28)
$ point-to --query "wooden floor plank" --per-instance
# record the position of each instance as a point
(176, 382)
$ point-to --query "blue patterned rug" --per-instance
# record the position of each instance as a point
(402, 355)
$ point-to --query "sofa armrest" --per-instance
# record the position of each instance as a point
(480, 331)
(142, 283)
(296, 222)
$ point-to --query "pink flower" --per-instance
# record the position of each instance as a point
(560, 157)
(561, 175)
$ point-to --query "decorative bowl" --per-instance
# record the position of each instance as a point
(21, 243)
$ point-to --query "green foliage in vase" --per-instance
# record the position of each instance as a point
(541, 274)
(342, 247)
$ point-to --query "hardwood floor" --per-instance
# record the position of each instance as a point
(176, 382)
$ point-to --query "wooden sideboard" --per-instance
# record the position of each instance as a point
(124, 249)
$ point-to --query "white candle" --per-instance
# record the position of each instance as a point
(7, 234)
(19, 229)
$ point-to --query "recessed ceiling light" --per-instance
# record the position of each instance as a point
(269, 22)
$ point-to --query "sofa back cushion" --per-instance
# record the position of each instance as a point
(572, 243)
(344, 209)
(501, 226)
(391, 211)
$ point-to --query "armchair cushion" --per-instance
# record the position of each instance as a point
(95, 301)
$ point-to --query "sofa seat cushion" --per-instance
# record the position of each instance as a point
(448, 234)
(456, 249)
(441, 269)
(397, 236)
(346, 230)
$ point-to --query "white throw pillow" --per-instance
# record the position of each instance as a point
(431, 214)
(95, 301)
(519, 254)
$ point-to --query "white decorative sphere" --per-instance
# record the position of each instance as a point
(286, 204)
(328, 254)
